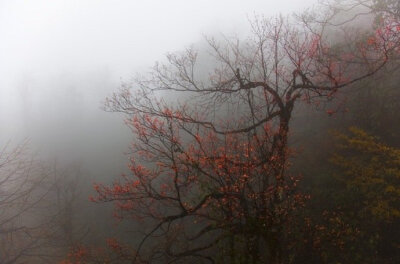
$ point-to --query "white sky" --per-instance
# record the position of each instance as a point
(43, 37)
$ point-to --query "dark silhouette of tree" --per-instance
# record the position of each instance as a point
(209, 166)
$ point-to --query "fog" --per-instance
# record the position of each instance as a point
(60, 59)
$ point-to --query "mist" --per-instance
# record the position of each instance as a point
(61, 59)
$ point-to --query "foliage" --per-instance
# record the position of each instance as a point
(372, 170)
(371, 175)
(353, 213)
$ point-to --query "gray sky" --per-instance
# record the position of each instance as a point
(59, 59)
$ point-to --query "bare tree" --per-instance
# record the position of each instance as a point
(20, 195)
(36, 209)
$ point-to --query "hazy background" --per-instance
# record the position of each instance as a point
(60, 59)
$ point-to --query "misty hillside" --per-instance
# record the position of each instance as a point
(199, 131)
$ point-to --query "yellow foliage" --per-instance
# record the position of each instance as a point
(372, 170)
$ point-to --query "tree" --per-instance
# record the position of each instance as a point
(351, 218)
(20, 195)
(68, 227)
(370, 172)
(210, 174)
(35, 209)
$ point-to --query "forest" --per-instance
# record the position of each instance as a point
(277, 144)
